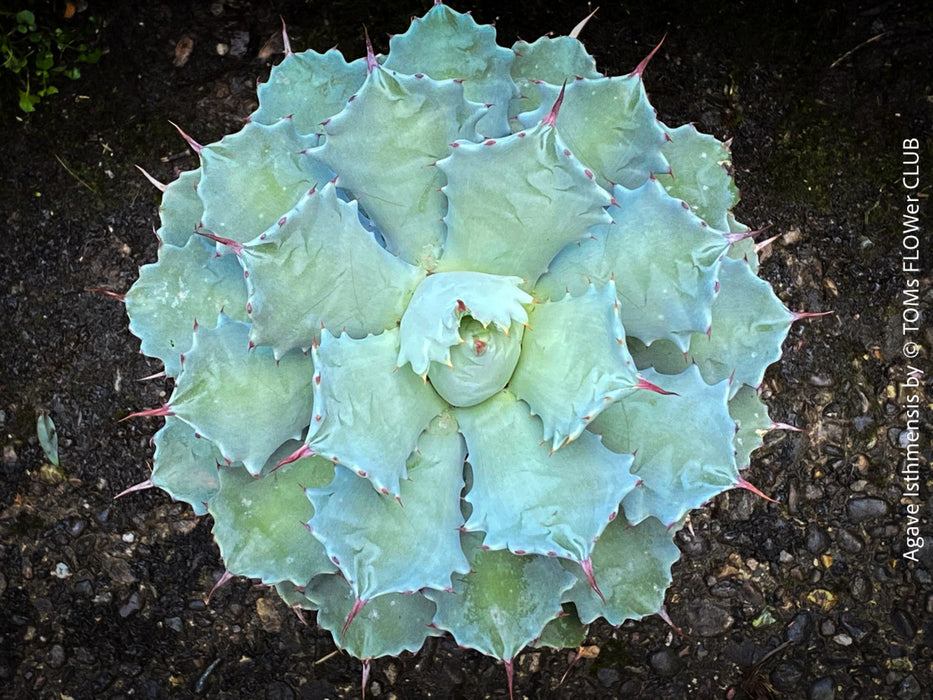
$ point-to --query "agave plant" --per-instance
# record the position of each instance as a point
(460, 335)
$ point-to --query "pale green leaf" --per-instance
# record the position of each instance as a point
(574, 362)
(515, 202)
(48, 437)
(748, 327)
(505, 601)
(368, 413)
(310, 87)
(751, 417)
(682, 442)
(563, 632)
(252, 178)
(318, 267)
(185, 285)
(664, 259)
(259, 523)
(526, 498)
(446, 44)
(480, 366)
(384, 146)
(553, 60)
(383, 546)
(245, 401)
(609, 125)
(181, 209)
(632, 568)
(385, 626)
(185, 465)
(700, 174)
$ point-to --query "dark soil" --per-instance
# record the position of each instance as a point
(809, 597)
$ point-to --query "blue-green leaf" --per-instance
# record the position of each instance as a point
(516, 479)
(682, 442)
(318, 267)
(632, 567)
(505, 601)
(245, 401)
(446, 44)
(185, 465)
(515, 222)
(368, 413)
(574, 363)
(382, 546)
(384, 146)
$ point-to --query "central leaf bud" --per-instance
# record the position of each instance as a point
(480, 366)
(464, 331)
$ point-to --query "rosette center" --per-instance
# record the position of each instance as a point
(464, 330)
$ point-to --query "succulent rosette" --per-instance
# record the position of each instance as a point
(459, 335)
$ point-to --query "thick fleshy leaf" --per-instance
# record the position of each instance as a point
(310, 87)
(664, 259)
(250, 179)
(318, 267)
(751, 417)
(609, 125)
(368, 412)
(384, 626)
(430, 326)
(383, 546)
(682, 443)
(185, 285)
(574, 363)
(749, 325)
(446, 44)
(745, 248)
(662, 356)
(516, 480)
(515, 202)
(384, 146)
(564, 632)
(504, 603)
(245, 401)
(294, 596)
(181, 209)
(185, 465)
(632, 567)
(553, 60)
(259, 523)
(700, 174)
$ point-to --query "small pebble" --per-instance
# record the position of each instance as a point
(843, 639)
(57, 656)
(800, 628)
(664, 662)
(817, 540)
(708, 620)
(786, 676)
(607, 676)
(862, 509)
(903, 624)
(823, 689)
(849, 542)
(908, 688)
